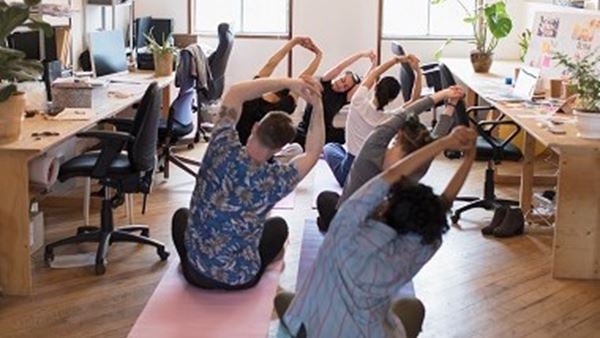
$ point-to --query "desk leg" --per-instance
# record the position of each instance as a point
(166, 101)
(577, 233)
(527, 172)
(15, 260)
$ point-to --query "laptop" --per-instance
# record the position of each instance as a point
(524, 88)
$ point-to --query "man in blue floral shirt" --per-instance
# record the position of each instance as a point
(226, 241)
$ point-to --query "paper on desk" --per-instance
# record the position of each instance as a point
(73, 114)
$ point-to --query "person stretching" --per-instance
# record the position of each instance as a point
(284, 100)
(225, 240)
(339, 86)
(368, 108)
(388, 143)
(382, 236)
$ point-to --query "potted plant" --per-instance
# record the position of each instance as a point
(163, 54)
(585, 80)
(524, 41)
(491, 23)
(13, 66)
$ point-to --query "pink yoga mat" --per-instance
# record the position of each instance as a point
(311, 242)
(179, 310)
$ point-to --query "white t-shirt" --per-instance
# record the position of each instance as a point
(362, 118)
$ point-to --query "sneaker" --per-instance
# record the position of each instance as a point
(513, 224)
(290, 150)
(499, 215)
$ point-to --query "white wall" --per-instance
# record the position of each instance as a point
(340, 27)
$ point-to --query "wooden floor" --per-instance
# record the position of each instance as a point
(473, 287)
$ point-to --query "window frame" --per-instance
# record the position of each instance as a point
(244, 35)
(427, 37)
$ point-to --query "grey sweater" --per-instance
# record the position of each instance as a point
(369, 161)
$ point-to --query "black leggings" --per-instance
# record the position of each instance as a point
(327, 202)
(274, 235)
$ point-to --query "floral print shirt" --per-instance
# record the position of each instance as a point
(229, 206)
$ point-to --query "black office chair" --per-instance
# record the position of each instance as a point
(122, 172)
(489, 148)
(52, 71)
(407, 77)
(217, 61)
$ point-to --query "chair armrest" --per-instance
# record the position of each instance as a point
(124, 125)
(486, 133)
(111, 145)
(117, 136)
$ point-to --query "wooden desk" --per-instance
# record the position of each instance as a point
(576, 248)
(15, 259)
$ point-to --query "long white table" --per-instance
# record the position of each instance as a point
(15, 260)
(576, 248)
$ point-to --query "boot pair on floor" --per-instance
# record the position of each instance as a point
(507, 222)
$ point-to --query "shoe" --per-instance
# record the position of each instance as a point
(513, 224)
(282, 303)
(499, 215)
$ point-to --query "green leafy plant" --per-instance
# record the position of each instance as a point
(164, 48)
(585, 77)
(13, 66)
(491, 23)
(524, 40)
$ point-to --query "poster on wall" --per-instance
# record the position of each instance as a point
(576, 34)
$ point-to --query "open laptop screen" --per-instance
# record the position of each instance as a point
(107, 51)
(526, 83)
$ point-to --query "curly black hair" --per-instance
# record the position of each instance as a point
(414, 208)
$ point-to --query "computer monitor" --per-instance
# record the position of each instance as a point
(30, 43)
(142, 27)
(107, 52)
(161, 29)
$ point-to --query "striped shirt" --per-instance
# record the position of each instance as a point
(360, 266)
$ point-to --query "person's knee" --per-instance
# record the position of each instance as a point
(411, 312)
(333, 154)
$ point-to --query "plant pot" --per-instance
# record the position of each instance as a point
(588, 124)
(482, 62)
(12, 113)
(163, 64)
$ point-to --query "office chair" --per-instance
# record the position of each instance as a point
(489, 148)
(218, 65)
(121, 172)
(180, 121)
(52, 71)
(407, 78)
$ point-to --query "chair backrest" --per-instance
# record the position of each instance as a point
(407, 75)
(181, 109)
(218, 61)
(447, 79)
(142, 152)
(52, 71)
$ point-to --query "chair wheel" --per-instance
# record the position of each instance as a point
(146, 233)
(454, 219)
(163, 253)
(190, 146)
(48, 256)
(206, 138)
(161, 169)
(100, 269)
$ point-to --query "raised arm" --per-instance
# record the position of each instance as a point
(459, 178)
(276, 59)
(241, 92)
(415, 65)
(315, 137)
(461, 138)
(373, 75)
(312, 67)
(340, 67)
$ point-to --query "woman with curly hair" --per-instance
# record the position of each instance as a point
(380, 238)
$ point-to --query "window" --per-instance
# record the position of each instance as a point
(421, 19)
(251, 17)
